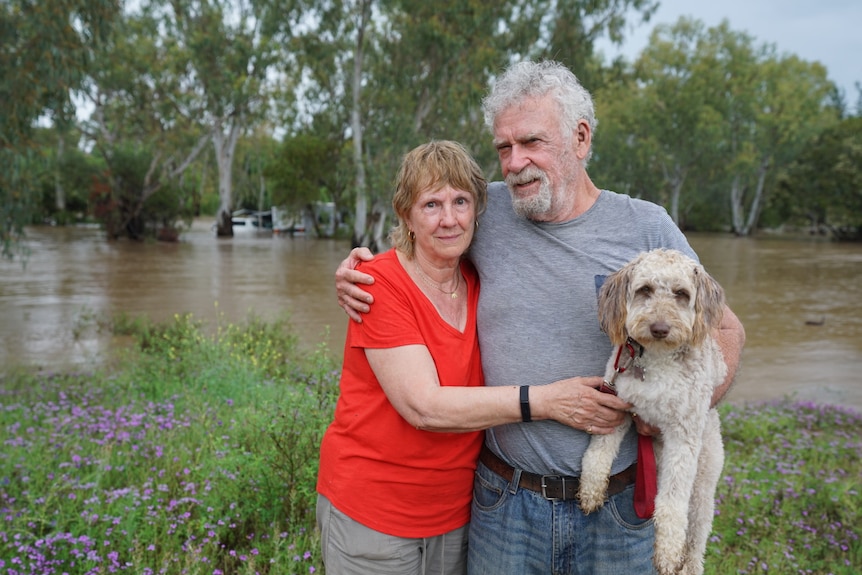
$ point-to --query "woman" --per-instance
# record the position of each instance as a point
(397, 462)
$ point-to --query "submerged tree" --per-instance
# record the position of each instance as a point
(137, 113)
(225, 53)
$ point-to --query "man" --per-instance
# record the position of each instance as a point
(542, 251)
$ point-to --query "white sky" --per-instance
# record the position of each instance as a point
(828, 31)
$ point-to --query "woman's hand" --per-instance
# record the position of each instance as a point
(578, 403)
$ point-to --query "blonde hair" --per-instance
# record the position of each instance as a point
(432, 166)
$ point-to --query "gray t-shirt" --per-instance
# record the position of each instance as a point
(538, 319)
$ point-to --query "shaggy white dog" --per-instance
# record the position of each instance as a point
(658, 311)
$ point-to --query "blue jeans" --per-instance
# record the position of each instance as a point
(518, 532)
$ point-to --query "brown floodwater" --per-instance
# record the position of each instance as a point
(50, 307)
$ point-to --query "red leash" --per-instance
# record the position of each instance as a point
(646, 480)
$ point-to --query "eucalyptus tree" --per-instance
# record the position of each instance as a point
(571, 30)
(439, 58)
(675, 107)
(772, 104)
(337, 42)
(782, 109)
(622, 159)
(137, 114)
(226, 59)
(360, 13)
(717, 110)
(423, 70)
(43, 54)
(427, 80)
(824, 183)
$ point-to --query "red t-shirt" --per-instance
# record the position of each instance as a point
(376, 467)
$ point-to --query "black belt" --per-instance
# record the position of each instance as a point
(553, 486)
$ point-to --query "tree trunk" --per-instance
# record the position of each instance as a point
(676, 181)
(359, 224)
(372, 237)
(754, 214)
(224, 149)
(743, 226)
(59, 192)
(737, 193)
(379, 241)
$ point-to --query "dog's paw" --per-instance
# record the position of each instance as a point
(666, 565)
(692, 566)
(591, 495)
(669, 555)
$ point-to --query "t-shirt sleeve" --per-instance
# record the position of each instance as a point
(673, 238)
(392, 320)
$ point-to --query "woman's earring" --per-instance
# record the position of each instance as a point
(411, 235)
(477, 224)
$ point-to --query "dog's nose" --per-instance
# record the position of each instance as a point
(659, 329)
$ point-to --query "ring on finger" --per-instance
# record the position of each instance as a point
(590, 430)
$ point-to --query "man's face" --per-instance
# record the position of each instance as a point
(536, 158)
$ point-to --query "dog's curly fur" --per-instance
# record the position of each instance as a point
(667, 303)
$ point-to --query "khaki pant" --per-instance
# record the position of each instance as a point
(350, 548)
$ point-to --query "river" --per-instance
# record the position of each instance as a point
(799, 299)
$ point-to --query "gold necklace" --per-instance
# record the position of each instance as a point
(453, 294)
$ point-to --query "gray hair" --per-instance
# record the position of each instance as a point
(536, 79)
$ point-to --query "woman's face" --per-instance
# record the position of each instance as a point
(443, 221)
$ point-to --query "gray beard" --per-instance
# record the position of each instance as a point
(535, 207)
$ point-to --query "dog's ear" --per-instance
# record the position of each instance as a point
(612, 304)
(708, 304)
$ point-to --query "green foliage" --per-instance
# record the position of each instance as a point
(44, 54)
(577, 26)
(305, 166)
(824, 184)
(426, 67)
(789, 499)
(126, 205)
(705, 122)
(75, 171)
(197, 454)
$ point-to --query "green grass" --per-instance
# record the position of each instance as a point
(789, 501)
(196, 453)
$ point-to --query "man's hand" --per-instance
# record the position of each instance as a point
(645, 428)
(353, 299)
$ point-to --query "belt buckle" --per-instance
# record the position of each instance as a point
(559, 478)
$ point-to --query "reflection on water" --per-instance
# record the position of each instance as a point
(776, 286)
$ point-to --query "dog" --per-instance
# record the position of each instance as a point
(658, 311)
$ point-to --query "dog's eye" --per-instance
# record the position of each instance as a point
(644, 290)
(682, 294)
